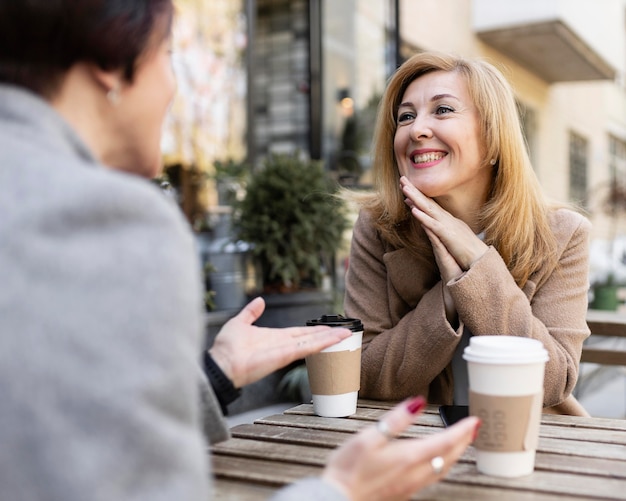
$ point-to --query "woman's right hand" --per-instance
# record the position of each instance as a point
(373, 466)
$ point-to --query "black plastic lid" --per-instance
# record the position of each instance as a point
(354, 324)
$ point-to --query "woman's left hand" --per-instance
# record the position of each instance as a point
(372, 465)
(454, 243)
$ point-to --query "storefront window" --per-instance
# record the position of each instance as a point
(207, 120)
(358, 54)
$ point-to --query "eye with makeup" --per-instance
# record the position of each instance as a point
(405, 117)
(444, 109)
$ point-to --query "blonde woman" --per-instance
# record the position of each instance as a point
(458, 240)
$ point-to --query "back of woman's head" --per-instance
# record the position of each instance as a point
(41, 39)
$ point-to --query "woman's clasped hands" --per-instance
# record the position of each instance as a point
(455, 244)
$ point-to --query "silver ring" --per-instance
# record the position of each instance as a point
(437, 464)
(383, 429)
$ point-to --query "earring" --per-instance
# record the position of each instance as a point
(114, 95)
(492, 161)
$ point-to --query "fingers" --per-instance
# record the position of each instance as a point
(399, 418)
(428, 460)
(416, 199)
(314, 342)
(450, 443)
(252, 311)
(373, 466)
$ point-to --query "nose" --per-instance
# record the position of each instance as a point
(420, 128)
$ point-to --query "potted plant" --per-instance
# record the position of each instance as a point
(294, 225)
(605, 291)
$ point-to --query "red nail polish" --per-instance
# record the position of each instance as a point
(415, 405)
(476, 429)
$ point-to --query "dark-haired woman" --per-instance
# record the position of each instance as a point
(101, 316)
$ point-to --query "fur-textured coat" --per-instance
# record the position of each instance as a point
(409, 344)
(102, 326)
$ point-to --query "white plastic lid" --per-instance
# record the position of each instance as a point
(505, 350)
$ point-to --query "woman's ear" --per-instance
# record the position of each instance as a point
(109, 80)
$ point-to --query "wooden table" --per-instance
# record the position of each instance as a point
(605, 325)
(578, 458)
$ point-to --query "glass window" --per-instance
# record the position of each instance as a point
(578, 169)
(617, 158)
(207, 119)
(358, 45)
(280, 78)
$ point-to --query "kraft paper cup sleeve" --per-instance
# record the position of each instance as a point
(334, 373)
(509, 423)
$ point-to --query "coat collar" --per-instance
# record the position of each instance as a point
(21, 109)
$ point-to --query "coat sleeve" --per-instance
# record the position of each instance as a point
(214, 424)
(552, 306)
(406, 346)
(408, 342)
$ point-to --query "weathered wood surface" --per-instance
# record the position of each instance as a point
(607, 323)
(577, 458)
(606, 345)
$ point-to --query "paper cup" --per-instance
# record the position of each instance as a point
(335, 373)
(506, 392)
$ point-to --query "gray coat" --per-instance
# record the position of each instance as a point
(101, 324)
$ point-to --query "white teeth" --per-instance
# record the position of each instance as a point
(427, 157)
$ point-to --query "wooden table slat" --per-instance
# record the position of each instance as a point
(612, 434)
(606, 323)
(604, 356)
(314, 455)
(373, 410)
(281, 473)
(578, 458)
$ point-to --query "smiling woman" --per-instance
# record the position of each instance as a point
(438, 126)
(457, 240)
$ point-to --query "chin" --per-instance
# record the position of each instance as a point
(429, 191)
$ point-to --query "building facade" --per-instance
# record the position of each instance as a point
(314, 71)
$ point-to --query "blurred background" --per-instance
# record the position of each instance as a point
(262, 76)
(304, 77)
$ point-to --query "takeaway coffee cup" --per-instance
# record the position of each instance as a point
(506, 393)
(335, 372)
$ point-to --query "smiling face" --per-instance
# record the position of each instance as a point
(437, 143)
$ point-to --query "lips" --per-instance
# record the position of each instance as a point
(431, 156)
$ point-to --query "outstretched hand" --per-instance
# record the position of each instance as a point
(374, 466)
(246, 353)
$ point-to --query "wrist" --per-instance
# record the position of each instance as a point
(223, 387)
(220, 357)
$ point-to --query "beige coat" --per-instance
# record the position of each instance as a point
(409, 344)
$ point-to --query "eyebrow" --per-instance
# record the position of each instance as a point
(437, 97)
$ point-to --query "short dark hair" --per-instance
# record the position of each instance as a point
(41, 39)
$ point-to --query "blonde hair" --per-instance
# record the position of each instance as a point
(515, 216)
